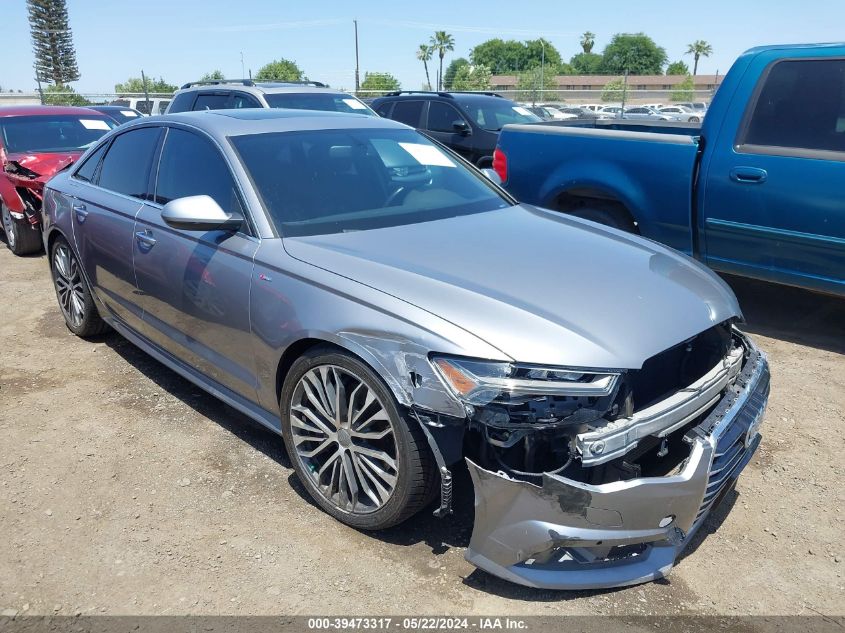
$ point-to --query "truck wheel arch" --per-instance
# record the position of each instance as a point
(596, 205)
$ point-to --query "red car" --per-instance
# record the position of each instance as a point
(36, 142)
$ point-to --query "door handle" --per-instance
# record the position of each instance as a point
(749, 175)
(80, 211)
(145, 240)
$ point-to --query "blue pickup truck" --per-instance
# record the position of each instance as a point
(757, 190)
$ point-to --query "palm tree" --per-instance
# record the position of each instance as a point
(441, 42)
(587, 41)
(699, 48)
(424, 53)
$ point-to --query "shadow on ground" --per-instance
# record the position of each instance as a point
(791, 314)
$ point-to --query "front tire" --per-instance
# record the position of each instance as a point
(356, 454)
(21, 237)
(75, 299)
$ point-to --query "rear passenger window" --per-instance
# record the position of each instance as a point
(89, 167)
(384, 109)
(126, 166)
(240, 100)
(192, 166)
(801, 105)
(182, 102)
(407, 112)
(211, 101)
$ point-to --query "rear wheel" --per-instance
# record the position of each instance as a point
(694, 119)
(358, 457)
(609, 216)
(72, 291)
(21, 237)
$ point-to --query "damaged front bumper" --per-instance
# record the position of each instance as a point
(564, 534)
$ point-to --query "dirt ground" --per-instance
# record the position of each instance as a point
(124, 489)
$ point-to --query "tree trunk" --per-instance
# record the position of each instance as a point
(427, 78)
(695, 66)
(440, 76)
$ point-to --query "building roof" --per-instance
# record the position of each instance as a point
(600, 81)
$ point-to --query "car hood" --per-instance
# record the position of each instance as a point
(32, 170)
(540, 286)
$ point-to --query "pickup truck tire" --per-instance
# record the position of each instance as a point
(21, 237)
(610, 217)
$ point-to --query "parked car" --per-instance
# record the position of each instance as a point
(582, 113)
(244, 93)
(375, 300)
(557, 113)
(644, 113)
(755, 190)
(466, 122)
(698, 106)
(682, 113)
(612, 111)
(119, 114)
(148, 107)
(35, 143)
(595, 107)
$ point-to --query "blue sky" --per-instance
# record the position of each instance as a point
(182, 39)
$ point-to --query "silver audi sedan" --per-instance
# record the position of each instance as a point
(394, 315)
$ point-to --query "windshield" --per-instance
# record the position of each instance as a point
(493, 114)
(333, 181)
(318, 101)
(44, 133)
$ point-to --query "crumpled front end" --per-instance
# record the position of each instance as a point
(23, 180)
(664, 466)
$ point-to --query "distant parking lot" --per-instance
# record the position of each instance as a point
(126, 490)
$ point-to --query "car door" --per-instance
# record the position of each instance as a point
(195, 285)
(773, 203)
(446, 124)
(107, 194)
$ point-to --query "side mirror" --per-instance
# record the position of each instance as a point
(492, 175)
(461, 126)
(199, 213)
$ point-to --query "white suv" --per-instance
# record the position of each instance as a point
(244, 93)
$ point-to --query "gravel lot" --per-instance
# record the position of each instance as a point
(126, 490)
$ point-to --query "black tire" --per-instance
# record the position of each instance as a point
(610, 217)
(80, 312)
(417, 479)
(21, 237)
(694, 119)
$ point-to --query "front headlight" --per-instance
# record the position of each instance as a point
(480, 382)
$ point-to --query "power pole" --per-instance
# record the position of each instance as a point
(624, 93)
(146, 94)
(40, 91)
(542, 68)
(357, 83)
(242, 66)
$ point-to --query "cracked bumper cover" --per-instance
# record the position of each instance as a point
(570, 535)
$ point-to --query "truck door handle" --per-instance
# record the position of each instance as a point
(145, 240)
(750, 175)
(80, 211)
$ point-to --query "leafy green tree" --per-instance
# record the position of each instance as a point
(684, 91)
(52, 42)
(586, 63)
(472, 78)
(134, 85)
(588, 40)
(635, 52)
(279, 70)
(424, 53)
(214, 75)
(677, 68)
(376, 84)
(441, 43)
(59, 94)
(528, 86)
(452, 69)
(512, 56)
(613, 91)
(698, 49)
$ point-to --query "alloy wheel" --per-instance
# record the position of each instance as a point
(69, 286)
(9, 228)
(344, 439)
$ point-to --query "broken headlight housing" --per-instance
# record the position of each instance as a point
(479, 382)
